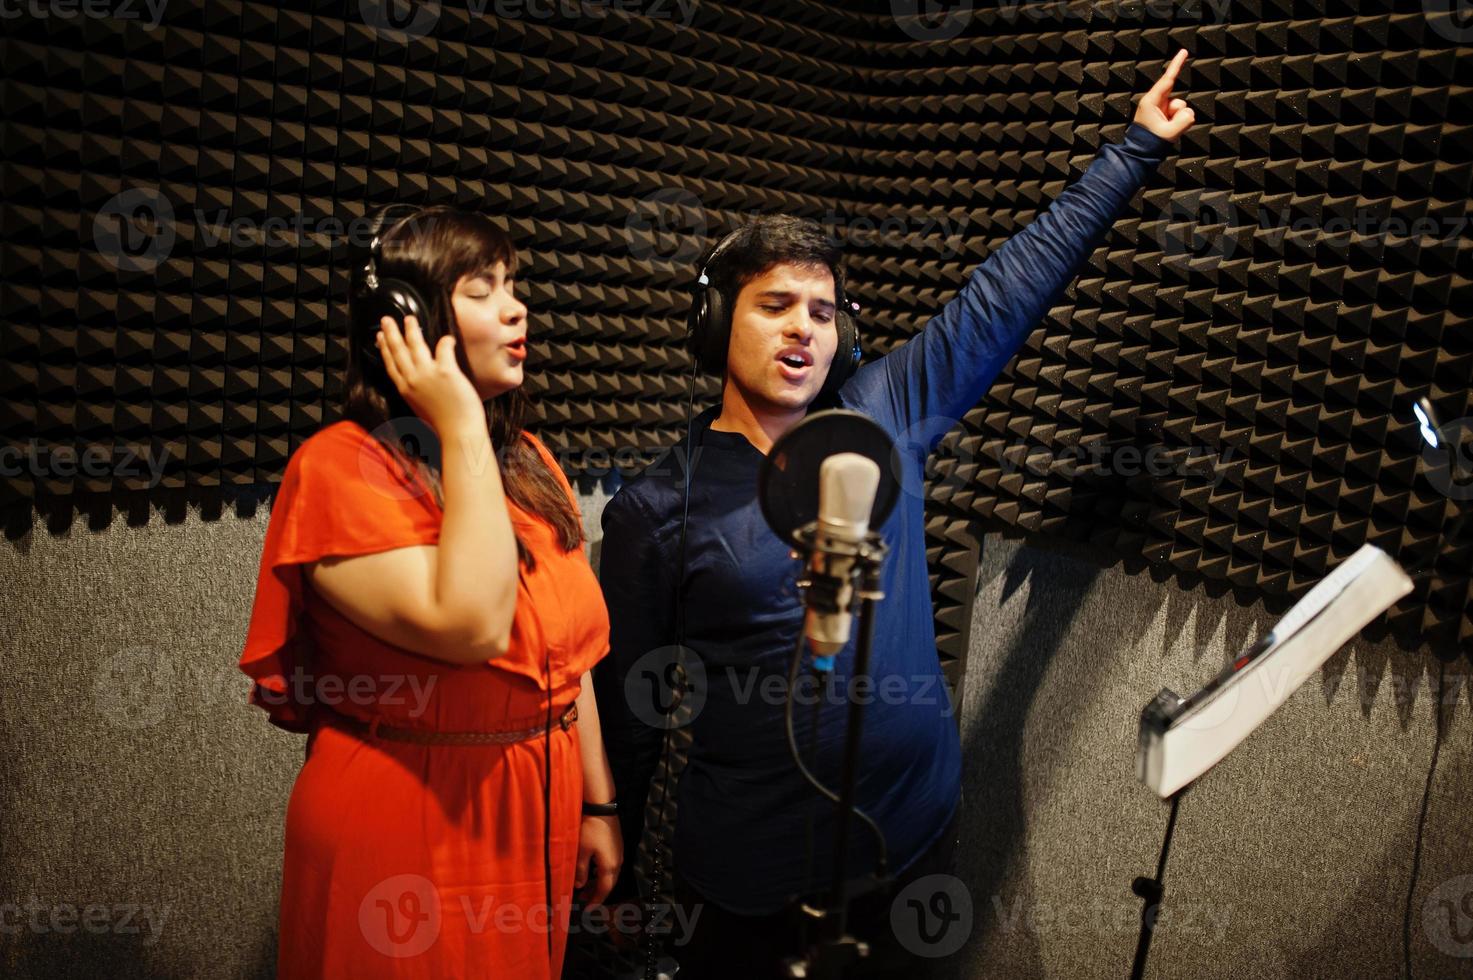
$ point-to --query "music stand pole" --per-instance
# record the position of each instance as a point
(1151, 890)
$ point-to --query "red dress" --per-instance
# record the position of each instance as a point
(404, 859)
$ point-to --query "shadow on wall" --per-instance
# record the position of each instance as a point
(1024, 826)
(994, 751)
(78, 953)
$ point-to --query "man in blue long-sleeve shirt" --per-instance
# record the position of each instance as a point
(743, 847)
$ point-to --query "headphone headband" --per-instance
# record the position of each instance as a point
(373, 297)
(383, 222)
(709, 322)
(704, 279)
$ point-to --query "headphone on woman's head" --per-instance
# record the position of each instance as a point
(709, 324)
(375, 298)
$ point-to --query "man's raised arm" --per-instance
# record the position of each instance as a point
(943, 371)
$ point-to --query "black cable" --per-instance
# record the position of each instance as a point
(1428, 561)
(808, 850)
(813, 729)
(547, 797)
(657, 872)
(1426, 566)
(884, 854)
(1406, 922)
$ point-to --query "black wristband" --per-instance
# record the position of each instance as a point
(610, 809)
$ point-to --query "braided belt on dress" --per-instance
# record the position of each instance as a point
(376, 729)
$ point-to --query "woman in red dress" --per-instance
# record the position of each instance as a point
(430, 623)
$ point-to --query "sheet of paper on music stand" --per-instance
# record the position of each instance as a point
(1191, 735)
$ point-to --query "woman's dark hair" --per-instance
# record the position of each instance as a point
(432, 250)
(773, 239)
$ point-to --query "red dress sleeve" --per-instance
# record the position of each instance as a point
(342, 494)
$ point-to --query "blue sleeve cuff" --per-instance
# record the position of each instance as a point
(1146, 143)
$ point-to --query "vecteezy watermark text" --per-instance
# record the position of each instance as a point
(137, 228)
(679, 12)
(403, 916)
(669, 226)
(66, 918)
(96, 460)
(409, 20)
(669, 686)
(943, 20)
(150, 13)
(140, 686)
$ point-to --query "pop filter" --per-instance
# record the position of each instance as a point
(787, 483)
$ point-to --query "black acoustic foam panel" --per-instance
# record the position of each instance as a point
(1299, 274)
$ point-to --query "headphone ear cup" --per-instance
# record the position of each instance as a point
(846, 357)
(696, 328)
(849, 332)
(717, 333)
(395, 298)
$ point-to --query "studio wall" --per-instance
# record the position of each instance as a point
(1219, 405)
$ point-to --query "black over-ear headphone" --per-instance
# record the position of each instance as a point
(376, 298)
(709, 324)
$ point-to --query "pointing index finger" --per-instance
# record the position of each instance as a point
(1168, 78)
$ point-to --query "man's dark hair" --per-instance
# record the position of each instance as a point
(772, 239)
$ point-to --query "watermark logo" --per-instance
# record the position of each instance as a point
(1195, 228)
(678, 12)
(418, 441)
(1107, 917)
(369, 691)
(917, 441)
(666, 688)
(140, 687)
(932, 20)
(950, 463)
(667, 226)
(136, 688)
(1447, 916)
(135, 230)
(836, 689)
(940, 236)
(400, 20)
(1450, 19)
(932, 916)
(1449, 464)
(1428, 231)
(401, 916)
(404, 915)
(1094, 11)
(289, 231)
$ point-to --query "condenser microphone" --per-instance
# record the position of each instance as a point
(846, 494)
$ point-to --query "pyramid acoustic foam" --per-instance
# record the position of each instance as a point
(1224, 394)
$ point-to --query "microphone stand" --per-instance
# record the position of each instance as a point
(830, 957)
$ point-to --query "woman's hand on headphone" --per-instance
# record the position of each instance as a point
(1168, 118)
(433, 384)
